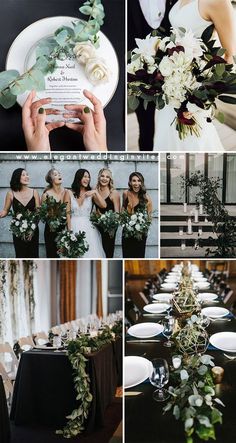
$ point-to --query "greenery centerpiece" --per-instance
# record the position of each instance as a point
(108, 222)
(78, 40)
(193, 398)
(192, 338)
(53, 213)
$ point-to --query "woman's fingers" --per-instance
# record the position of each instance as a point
(52, 111)
(37, 105)
(99, 117)
(26, 111)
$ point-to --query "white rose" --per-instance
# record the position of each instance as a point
(84, 51)
(17, 223)
(132, 222)
(133, 217)
(19, 216)
(97, 71)
(137, 227)
(102, 216)
(164, 42)
(73, 237)
(134, 66)
(25, 224)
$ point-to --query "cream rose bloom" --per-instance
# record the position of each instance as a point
(84, 51)
(97, 71)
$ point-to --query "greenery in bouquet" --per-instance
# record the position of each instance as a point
(193, 398)
(182, 71)
(79, 41)
(78, 350)
(53, 213)
(24, 224)
(108, 222)
(71, 245)
(135, 225)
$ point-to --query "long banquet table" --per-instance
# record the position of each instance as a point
(44, 389)
(4, 417)
(144, 417)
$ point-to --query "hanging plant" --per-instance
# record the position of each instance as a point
(63, 44)
(29, 267)
(3, 288)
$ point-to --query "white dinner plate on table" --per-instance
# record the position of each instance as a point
(156, 308)
(202, 285)
(225, 341)
(145, 330)
(200, 279)
(21, 57)
(215, 312)
(46, 348)
(165, 297)
(168, 286)
(136, 370)
(207, 296)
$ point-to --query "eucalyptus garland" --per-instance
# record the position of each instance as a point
(77, 351)
(60, 46)
(193, 398)
(3, 274)
(224, 226)
(29, 267)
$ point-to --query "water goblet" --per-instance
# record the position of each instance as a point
(168, 330)
(159, 378)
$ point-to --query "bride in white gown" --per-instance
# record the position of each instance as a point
(196, 15)
(81, 198)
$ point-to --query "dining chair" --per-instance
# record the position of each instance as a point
(8, 360)
(8, 385)
(41, 338)
(26, 343)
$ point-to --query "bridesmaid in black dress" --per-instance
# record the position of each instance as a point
(105, 188)
(135, 198)
(22, 197)
(55, 190)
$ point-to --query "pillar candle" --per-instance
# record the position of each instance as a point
(200, 209)
(185, 207)
(189, 226)
(196, 215)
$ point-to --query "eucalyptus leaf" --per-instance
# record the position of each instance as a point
(7, 99)
(61, 38)
(86, 10)
(220, 117)
(133, 102)
(7, 77)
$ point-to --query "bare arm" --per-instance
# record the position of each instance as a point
(222, 14)
(7, 205)
(67, 200)
(37, 199)
(116, 200)
(124, 198)
(98, 199)
(149, 205)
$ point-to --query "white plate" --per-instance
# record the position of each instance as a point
(202, 285)
(136, 370)
(215, 312)
(165, 297)
(226, 341)
(46, 348)
(168, 286)
(156, 308)
(200, 279)
(207, 296)
(21, 56)
(145, 330)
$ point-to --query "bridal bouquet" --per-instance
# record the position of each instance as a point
(53, 213)
(24, 224)
(135, 225)
(71, 245)
(108, 222)
(182, 71)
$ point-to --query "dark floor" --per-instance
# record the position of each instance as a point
(21, 434)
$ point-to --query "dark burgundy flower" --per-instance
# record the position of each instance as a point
(216, 59)
(183, 119)
(171, 51)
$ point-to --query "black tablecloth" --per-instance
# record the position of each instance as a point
(144, 418)
(4, 418)
(17, 15)
(44, 389)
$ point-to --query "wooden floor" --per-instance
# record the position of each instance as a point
(227, 134)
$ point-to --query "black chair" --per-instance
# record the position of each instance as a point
(5, 434)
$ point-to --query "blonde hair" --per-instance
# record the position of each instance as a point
(111, 183)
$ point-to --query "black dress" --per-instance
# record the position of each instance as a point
(26, 249)
(50, 240)
(108, 243)
(132, 247)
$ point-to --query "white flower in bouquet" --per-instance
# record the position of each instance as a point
(103, 216)
(33, 226)
(192, 45)
(17, 223)
(137, 227)
(73, 237)
(134, 66)
(133, 217)
(164, 43)
(166, 66)
(84, 51)
(24, 224)
(19, 216)
(97, 71)
(147, 47)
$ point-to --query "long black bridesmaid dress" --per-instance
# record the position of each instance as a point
(50, 240)
(132, 247)
(26, 249)
(108, 243)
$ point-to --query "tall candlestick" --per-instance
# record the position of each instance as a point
(200, 230)
(196, 215)
(185, 207)
(189, 226)
(201, 209)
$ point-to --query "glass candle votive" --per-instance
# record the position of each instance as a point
(176, 361)
(218, 373)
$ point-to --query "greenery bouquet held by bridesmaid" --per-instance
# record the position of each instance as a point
(24, 202)
(135, 217)
(53, 211)
(107, 219)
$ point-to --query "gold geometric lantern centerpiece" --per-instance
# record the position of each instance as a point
(192, 339)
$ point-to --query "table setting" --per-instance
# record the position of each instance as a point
(186, 350)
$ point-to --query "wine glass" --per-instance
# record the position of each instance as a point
(168, 330)
(57, 342)
(159, 378)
